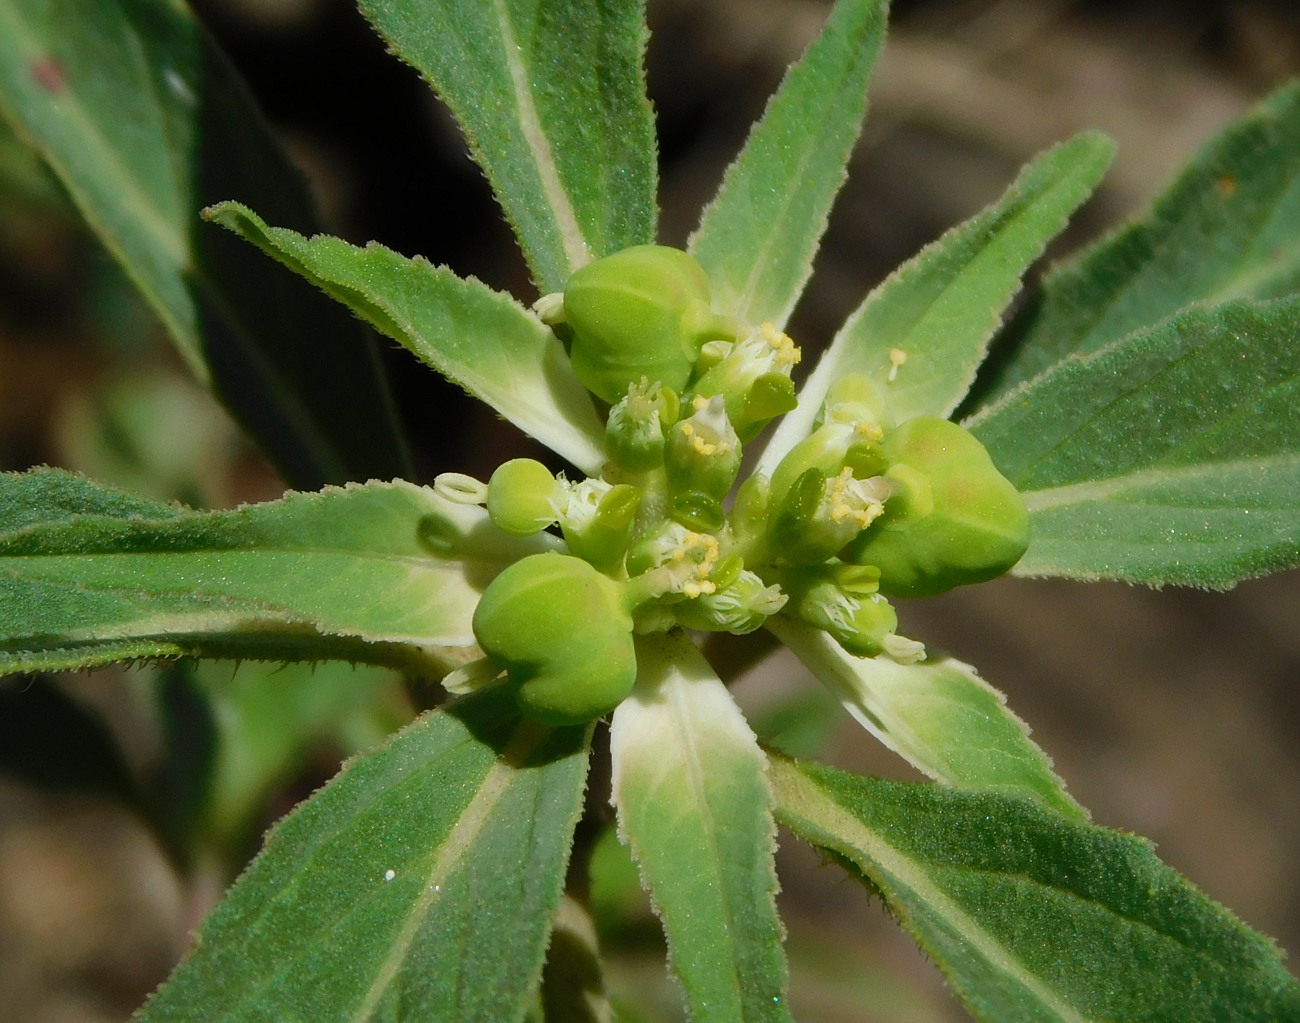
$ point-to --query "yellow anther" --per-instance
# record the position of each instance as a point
(849, 502)
(787, 353)
(701, 548)
(692, 562)
(701, 446)
(869, 430)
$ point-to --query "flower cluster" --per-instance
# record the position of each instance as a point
(863, 509)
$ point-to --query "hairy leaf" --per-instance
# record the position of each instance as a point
(478, 338)
(1034, 917)
(1224, 229)
(1173, 456)
(419, 884)
(939, 716)
(940, 309)
(758, 237)
(387, 573)
(145, 123)
(693, 802)
(271, 718)
(551, 97)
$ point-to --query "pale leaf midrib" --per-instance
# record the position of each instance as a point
(468, 826)
(1103, 489)
(695, 775)
(808, 156)
(890, 728)
(1000, 229)
(322, 840)
(844, 347)
(509, 378)
(852, 836)
(574, 244)
(412, 562)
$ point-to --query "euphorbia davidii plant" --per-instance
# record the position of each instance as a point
(1144, 428)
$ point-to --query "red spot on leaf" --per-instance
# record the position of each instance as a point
(48, 74)
(1227, 185)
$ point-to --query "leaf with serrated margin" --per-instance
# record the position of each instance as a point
(551, 96)
(144, 122)
(939, 716)
(1034, 917)
(690, 786)
(1226, 228)
(941, 308)
(1172, 456)
(385, 573)
(758, 237)
(419, 884)
(480, 339)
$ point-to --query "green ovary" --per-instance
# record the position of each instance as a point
(642, 313)
(559, 628)
(954, 519)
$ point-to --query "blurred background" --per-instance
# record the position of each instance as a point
(1172, 714)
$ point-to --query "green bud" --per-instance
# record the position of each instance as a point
(844, 605)
(703, 452)
(523, 497)
(674, 562)
(830, 449)
(739, 606)
(634, 431)
(753, 376)
(954, 519)
(642, 312)
(560, 629)
(597, 520)
(856, 398)
(819, 515)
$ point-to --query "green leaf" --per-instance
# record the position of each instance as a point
(939, 716)
(1224, 229)
(1173, 456)
(387, 573)
(478, 338)
(758, 237)
(270, 718)
(941, 308)
(1036, 918)
(551, 97)
(145, 123)
(690, 785)
(419, 884)
(573, 986)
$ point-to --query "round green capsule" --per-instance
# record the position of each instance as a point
(560, 629)
(954, 519)
(642, 313)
